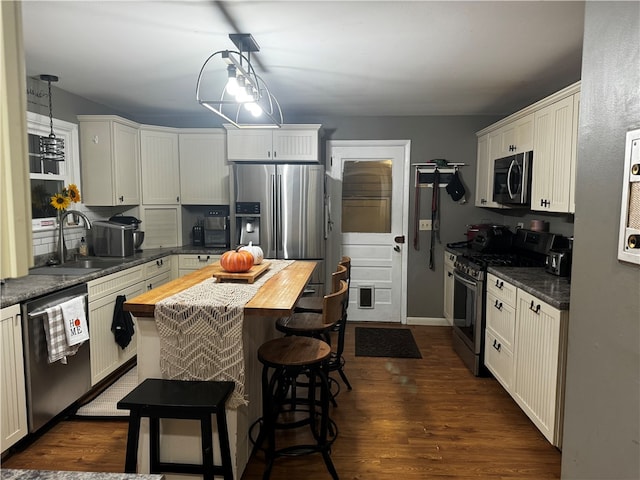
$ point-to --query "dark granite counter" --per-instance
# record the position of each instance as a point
(16, 290)
(549, 288)
(12, 474)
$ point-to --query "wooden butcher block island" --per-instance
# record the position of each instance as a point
(274, 295)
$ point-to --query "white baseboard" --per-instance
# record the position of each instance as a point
(428, 321)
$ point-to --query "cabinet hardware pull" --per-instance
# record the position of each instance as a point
(177, 199)
(268, 154)
(499, 284)
(121, 198)
(497, 345)
(534, 308)
(275, 154)
(498, 305)
(150, 286)
(449, 274)
(203, 259)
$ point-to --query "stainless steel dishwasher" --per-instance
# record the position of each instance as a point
(51, 387)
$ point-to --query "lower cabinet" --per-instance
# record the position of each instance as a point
(525, 349)
(449, 260)
(13, 402)
(191, 263)
(106, 354)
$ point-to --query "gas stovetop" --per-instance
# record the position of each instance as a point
(476, 264)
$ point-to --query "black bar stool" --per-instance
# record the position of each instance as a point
(179, 399)
(290, 357)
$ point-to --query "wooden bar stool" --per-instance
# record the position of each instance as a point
(290, 357)
(314, 304)
(156, 398)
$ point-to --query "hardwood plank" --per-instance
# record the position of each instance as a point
(405, 418)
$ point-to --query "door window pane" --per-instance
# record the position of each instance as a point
(366, 196)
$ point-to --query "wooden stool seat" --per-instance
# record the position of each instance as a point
(293, 351)
(309, 304)
(179, 399)
(303, 323)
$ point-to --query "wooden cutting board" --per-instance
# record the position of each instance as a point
(249, 276)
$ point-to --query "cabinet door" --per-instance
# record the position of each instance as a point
(249, 144)
(489, 148)
(574, 153)
(538, 360)
(13, 403)
(552, 157)
(295, 145)
(162, 226)
(160, 168)
(106, 354)
(126, 157)
(449, 258)
(204, 173)
(517, 136)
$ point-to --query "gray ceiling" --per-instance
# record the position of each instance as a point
(142, 58)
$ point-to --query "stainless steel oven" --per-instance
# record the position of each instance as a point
(468, 316)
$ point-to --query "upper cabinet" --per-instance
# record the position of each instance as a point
(160, 166)
(290, 143)
(204, 173)
(549, 128)
(110, 158)
(551, 183)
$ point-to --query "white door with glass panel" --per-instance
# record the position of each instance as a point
(367, 220)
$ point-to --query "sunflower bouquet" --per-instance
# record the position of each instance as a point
(62, 200)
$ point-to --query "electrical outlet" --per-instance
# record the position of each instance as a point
(425, 225)
(520, 225)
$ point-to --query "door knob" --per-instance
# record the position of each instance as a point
(399, 239)
(396, 248)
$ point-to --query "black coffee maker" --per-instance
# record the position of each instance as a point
(216, 227)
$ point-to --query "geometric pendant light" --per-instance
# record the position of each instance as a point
(51, 147)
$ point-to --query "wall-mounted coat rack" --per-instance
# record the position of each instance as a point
(425, 173)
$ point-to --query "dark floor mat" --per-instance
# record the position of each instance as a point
(386, 342)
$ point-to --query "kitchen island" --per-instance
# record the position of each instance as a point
(276, 297)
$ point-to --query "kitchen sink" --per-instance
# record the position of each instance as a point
(77, 267)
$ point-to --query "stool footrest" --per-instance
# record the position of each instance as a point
(192, 468)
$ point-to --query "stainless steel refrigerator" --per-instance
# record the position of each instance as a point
(280, 207)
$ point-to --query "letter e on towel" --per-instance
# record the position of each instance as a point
(75, 321)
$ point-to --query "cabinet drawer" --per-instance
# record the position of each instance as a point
(501, 318)
(503, 290)
(195, 262)
(155, 282)
(449, 258)
(498, 359)
(156, 267)
(114, 283)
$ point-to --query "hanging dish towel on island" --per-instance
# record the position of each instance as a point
(122, 323)
(200, 331)
(75, 321)
(54, 332)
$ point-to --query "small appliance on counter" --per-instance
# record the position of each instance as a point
(113, 239)
(216, 228)
(197, 235)
(138, 235)
(558, 262)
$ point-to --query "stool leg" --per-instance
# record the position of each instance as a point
(223, 438)
(133, 435)
(154, 444)
(206, 434)
(325, 394)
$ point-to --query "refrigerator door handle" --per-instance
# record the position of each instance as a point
(280, 244)
(273, 213)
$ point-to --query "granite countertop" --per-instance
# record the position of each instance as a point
(538, 282)
(12, 474)
(16, 290)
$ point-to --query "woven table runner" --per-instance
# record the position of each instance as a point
(200, 331)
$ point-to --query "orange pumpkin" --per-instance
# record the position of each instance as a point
(236, 261)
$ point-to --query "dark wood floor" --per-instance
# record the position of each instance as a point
(405, 419)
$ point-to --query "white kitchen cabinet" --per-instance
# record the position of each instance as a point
(160, 166)
(541, 338)
(553, 146)
(500, 329)
(449, 261)
(484, 170)
(110, 159)
(574, 153)
(297, 143)
(162, 226)
(191, 263)
(106, 354)
(204, 172)
(157, 272)
(13, 402)
(517, 136)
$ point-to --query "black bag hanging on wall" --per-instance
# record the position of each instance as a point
(122, 324)
(455, 187)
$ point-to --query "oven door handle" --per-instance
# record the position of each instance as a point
(467, 283)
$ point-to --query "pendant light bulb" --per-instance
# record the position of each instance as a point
(232, 81)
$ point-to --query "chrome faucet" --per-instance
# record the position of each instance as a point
(62, 249)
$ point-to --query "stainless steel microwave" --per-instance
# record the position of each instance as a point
(512, 179)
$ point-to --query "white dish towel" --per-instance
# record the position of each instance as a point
(75, 321)
(57, 348)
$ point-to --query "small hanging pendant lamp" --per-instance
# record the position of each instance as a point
(51, 147)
